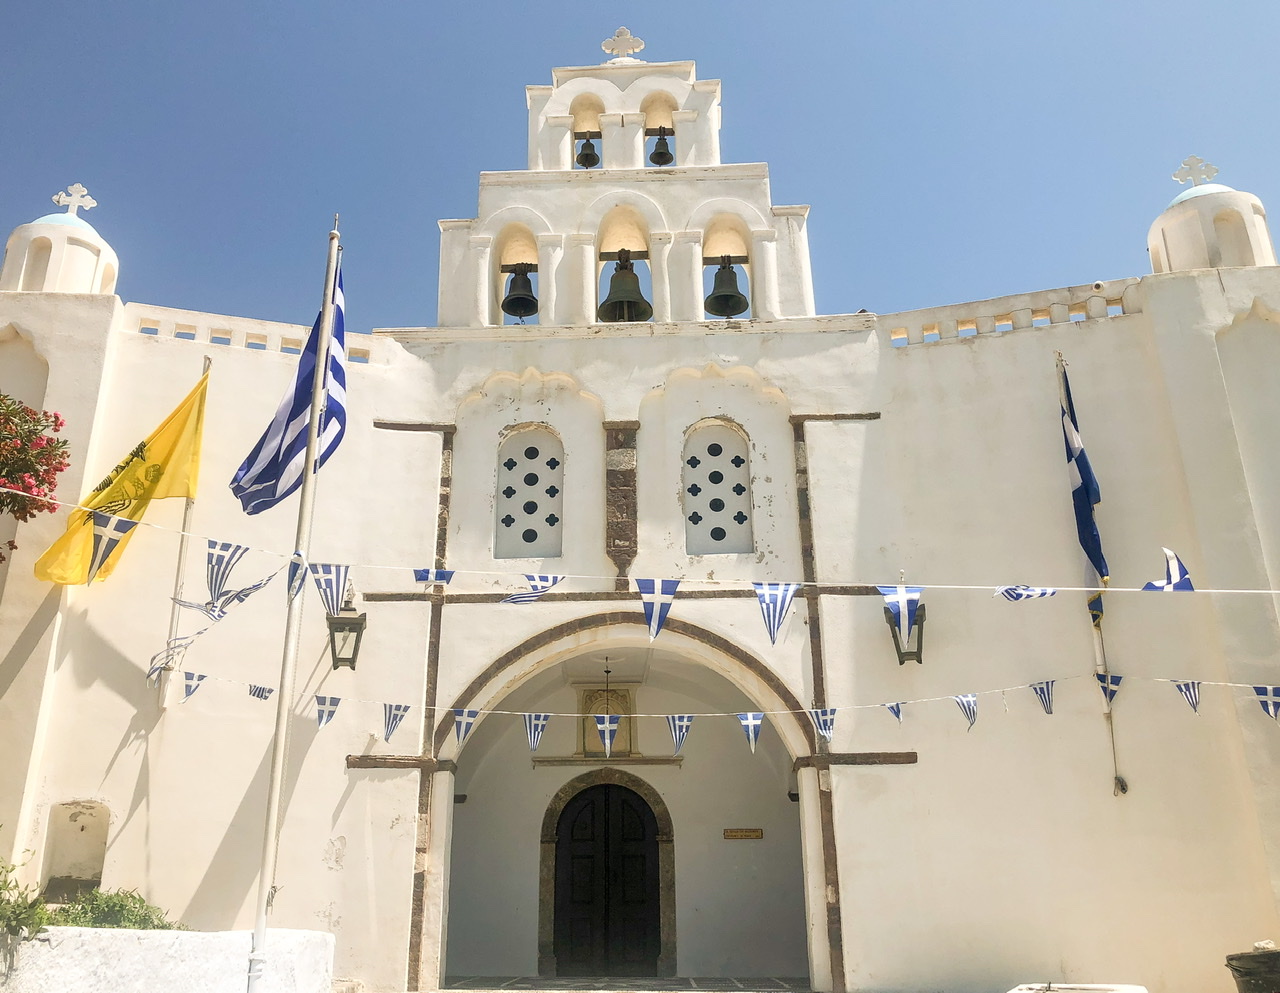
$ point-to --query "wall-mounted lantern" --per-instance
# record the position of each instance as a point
(346, 628)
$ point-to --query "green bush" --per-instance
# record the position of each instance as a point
(115, 908)
(22, 912)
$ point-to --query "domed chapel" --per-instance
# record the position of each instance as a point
(679, 630)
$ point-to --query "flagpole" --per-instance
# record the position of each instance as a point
(293, 629)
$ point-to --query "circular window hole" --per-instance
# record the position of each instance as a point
(717, 504)
(530, 507)
(530, 536)
(530, 452)
(714, 449)
(716, 477)
(530, 479)
(717, 534)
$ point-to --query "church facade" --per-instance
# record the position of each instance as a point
(865, 803)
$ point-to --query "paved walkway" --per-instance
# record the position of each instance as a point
(647, 984)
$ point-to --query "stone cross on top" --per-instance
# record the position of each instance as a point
(75, 198)
(622, 44)
(1195, 169)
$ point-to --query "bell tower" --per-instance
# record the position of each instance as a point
(625, 180)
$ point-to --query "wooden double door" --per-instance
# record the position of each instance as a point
(607, 914)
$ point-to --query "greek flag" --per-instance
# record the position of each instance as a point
(1190, 690)
(534, 725)
(775, 600)
(751, 724)
(1269, 697)
(326, 707)
(824, 721)
(392, 715)
(274, 468)
(108, 532)
(607, 725)
(1109, 684)
(538, 585)
(191, 682)
(657, 595)
(968, 704)
(679, 725)
(1015, 593)
(1085, 494)
(1175, 575)
(902, 602)
(1044, 693)
(432, 576)
(222, 559)
(895, 709)
(331, 581)
(260, 692)
(462, 722)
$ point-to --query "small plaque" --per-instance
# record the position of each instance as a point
(744, 834)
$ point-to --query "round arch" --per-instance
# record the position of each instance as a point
(707, 212)
(514, 214)
(594, 213)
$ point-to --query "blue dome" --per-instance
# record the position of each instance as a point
(1204, 189)
(71, 220)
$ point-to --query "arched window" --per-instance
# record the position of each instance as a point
(623, 229)
(586, 110)
(516, 256)
(1233, 239)
(657, 108)
(36, 268)
(716, 490)
(725, 242)
(530, 497)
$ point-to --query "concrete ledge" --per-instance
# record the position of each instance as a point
(110, 960)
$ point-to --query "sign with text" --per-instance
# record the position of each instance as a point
(744, 834)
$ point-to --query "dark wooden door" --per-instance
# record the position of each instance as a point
(607, 911)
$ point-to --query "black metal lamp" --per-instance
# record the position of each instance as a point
(904, 650)
(345, 631)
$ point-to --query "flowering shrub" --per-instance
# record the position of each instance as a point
(31, 456)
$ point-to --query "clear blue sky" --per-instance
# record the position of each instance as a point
(950, 151)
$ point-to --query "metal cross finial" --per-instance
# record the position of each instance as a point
(1195, 169)
(75, 198)
(622, 44)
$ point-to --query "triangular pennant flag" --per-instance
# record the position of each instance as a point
(191, 682)
(432, 576)
(679, 725)
(260, 692)
(751, 724)
(462, 722)
(297, 573)
(1269, 697)
(331, 581)
(1190, 690)
(1109, 683)
(895, 709)
(903, 602)
(1015, 593)
(108, 532)
(1044, 693)
(538, 585)
(824, 721)
(607, 725)
(657, 595)
(1175, 575)
(326, 707)
(968, 704)
(775, 600)
(1095, 610)
(169, 656)
(534, 725)
(223, 556)
(392, 715)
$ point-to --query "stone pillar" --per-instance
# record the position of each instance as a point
(479, 250)
(795, 275)
(620, 496)
(579, 282)
(433, 863)
(813, 856)
(764, 275)
(684, 276)
(659, 257)
(550, 253)
(685, 125)
(622, 141)
(555, 142)
(453, 303)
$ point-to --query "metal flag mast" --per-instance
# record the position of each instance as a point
(293, 626)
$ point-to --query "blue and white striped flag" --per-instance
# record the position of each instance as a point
(1044, 693)
(824, 721)
(1269, 697)
(297, 574)
(968, 704)
(1016, 593)
(1109, 683)
(1190, 690)
(222, 559)
(432, 576)
(679, 725)
(392, 715)
(534, 725)
(331, 581)
(275, 466)
(326, 707)
(260, 692)
(462, 723)
(1085, 494)
(775, 600)
(895, 709)
(538, 585)
(607, 725)
(657, 595)
(1175, 575)
(751, 724)
(903, 602)
(191, 682)
(108, 532)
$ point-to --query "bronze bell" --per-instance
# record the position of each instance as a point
(661, 155)
(725, 300)
(625, 302)
(587, 157)
(520, 301)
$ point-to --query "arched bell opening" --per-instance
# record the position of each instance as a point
(515, 280)
(587, 136)
(624, 281)
(659, 129)
(725, 269)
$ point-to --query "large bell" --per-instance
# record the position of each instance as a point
(625, 302)
(661, 154)
(725, 300)
(587, 157)
(520, 301)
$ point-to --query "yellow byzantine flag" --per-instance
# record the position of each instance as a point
(165, 464)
